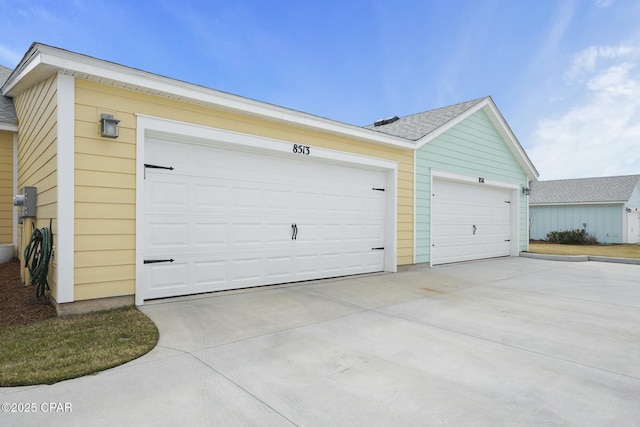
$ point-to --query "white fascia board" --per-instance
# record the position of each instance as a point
(503, 129)
(48, 59)
(9, 127)
(577, 203)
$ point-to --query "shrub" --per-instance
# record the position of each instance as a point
(571, 237)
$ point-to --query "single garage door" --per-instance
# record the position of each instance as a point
(217, 218)
(469, 222)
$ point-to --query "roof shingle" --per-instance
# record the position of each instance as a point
(7, 109)
(419, 125)
(614, 189)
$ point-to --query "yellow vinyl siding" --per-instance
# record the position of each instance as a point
(37, 151)
(105, 177)
(6, 187)
(110, 288)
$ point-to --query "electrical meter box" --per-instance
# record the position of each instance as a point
(26, 202)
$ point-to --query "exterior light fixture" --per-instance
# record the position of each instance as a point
(628, 209)
(526, 191)
(108, 126)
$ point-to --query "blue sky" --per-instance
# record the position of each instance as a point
(564, 73)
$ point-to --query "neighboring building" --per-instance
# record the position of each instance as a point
(8, 143)
(204, 191)
(607, 208)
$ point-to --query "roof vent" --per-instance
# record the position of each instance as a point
(386, 121)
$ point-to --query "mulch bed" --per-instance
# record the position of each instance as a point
(18, 303)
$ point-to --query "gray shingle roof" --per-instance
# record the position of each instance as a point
(7, 109)
(584, 190)
(418, 125)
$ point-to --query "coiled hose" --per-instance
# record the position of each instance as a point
(36, 257)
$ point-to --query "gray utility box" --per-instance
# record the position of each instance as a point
(26, 202)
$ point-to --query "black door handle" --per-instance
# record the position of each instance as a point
(474, 229)
(293, 231)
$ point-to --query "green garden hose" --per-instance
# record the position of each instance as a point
(36, 257)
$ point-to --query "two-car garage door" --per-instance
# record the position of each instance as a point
(217, 218)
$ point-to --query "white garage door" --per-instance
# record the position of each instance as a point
(226, 219)
(469, 222)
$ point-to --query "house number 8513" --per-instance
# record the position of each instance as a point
(301, 149)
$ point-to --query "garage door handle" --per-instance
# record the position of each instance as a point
(294, 235)
(474, 229)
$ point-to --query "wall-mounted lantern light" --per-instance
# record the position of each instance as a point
(108, 126)
(526, 191)
(628, 209)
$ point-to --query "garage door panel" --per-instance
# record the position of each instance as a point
(167, 279)
(210, 272)
(209, 235)
(278, 266)
(210, 196)
(167, 193)
(171, 235)
(227, 223)
(243, 269)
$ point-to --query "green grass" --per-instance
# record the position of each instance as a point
(621, 251)
(57, 349)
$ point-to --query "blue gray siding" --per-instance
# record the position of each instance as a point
(602, 221)
(473, 147)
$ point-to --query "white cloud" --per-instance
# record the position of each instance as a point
(587, 60)
(604, 3)
(600, 134)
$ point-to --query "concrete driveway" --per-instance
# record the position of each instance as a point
(505, 342)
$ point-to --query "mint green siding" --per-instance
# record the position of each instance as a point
(602, 221)
(474, 148)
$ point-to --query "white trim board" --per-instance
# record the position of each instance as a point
(66, 188)
(42, 60)
(15, 189)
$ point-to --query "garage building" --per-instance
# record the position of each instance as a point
(200, 190)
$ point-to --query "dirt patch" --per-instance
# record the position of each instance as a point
(18, 303)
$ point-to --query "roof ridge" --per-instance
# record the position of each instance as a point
(440, 108)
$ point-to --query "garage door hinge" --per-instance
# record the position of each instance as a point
(155, 261)
(147, 165)
(378, 249)
(378, 189)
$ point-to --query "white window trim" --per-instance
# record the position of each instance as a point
(188, 132)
